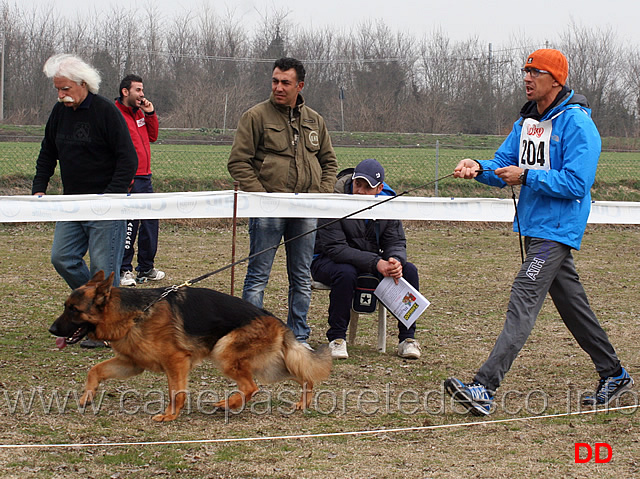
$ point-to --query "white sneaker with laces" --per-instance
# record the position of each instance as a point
(127, 279)
(409, 349)
(338, 349)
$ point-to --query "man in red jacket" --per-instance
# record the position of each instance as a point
(143, 127)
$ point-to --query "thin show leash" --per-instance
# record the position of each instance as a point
(174, 288)
(515, 206)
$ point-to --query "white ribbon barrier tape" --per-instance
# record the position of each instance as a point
(219, 204)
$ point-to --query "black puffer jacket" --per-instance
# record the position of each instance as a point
(355, 241)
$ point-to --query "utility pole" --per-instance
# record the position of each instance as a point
(490, 90)
(2, 77)
(341, 95)
(490, 57)
(224, 121)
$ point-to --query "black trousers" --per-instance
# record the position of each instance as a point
(342, 279)
(146, 232)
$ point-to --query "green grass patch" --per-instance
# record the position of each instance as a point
(411, 161)
(468, 295)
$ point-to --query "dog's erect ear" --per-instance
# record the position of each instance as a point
(97, 278)
(103, 289)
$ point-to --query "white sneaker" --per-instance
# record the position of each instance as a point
(409, 349)
(338, 349)
(127, 279)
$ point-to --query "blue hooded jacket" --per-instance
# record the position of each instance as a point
(554, 204)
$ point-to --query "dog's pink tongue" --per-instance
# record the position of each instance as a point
(61, 343)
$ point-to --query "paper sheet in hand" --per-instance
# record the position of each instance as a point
(403, 300)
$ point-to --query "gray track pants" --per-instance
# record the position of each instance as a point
(548, 267)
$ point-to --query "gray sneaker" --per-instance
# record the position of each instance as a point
(151, 275)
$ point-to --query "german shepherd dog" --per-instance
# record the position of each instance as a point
(176, 333)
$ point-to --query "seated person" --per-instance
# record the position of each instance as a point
(351, 247)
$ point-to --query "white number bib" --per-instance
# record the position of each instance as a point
(534, 144)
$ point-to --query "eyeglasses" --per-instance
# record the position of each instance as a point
(534, 72)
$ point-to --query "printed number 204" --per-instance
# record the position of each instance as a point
(532, 153)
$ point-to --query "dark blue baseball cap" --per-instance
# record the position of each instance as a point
(370, 170)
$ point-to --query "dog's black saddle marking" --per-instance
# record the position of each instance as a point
(204, 312)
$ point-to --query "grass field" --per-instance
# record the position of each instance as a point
(180, 167)
(466, 272)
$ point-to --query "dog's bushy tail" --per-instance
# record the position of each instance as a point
(285, 357)
(305, 365)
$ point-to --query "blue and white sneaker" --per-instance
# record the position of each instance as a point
(474, 396)
(609, 388)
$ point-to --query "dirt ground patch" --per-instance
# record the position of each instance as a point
(377, 416)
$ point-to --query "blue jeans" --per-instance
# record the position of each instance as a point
(104, 240)
(267, 233)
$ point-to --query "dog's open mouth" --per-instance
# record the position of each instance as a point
(78, 334)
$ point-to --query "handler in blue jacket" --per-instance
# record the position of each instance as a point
(552, 151)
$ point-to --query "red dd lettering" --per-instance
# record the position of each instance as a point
(599, 459)
(599, 446)
(586, 446)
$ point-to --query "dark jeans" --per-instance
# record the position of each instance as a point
(146, 232)
(342, 279)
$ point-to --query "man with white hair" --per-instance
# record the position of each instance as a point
(87, 134)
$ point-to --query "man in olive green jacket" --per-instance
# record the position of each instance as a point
(283, 146)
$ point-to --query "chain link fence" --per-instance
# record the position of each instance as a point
(191, 165)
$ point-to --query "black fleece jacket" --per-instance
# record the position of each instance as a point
(92, 144)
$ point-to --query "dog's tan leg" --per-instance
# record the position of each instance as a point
(241, 373)
(117, 367)
(178, 367)
(307, 395)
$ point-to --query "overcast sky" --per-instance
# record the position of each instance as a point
(495, 22)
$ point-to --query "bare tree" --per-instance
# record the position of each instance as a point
(632, 88)
(436, 75)
(203, 70)
(594, 59)
(30, 38)
(379, 83)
